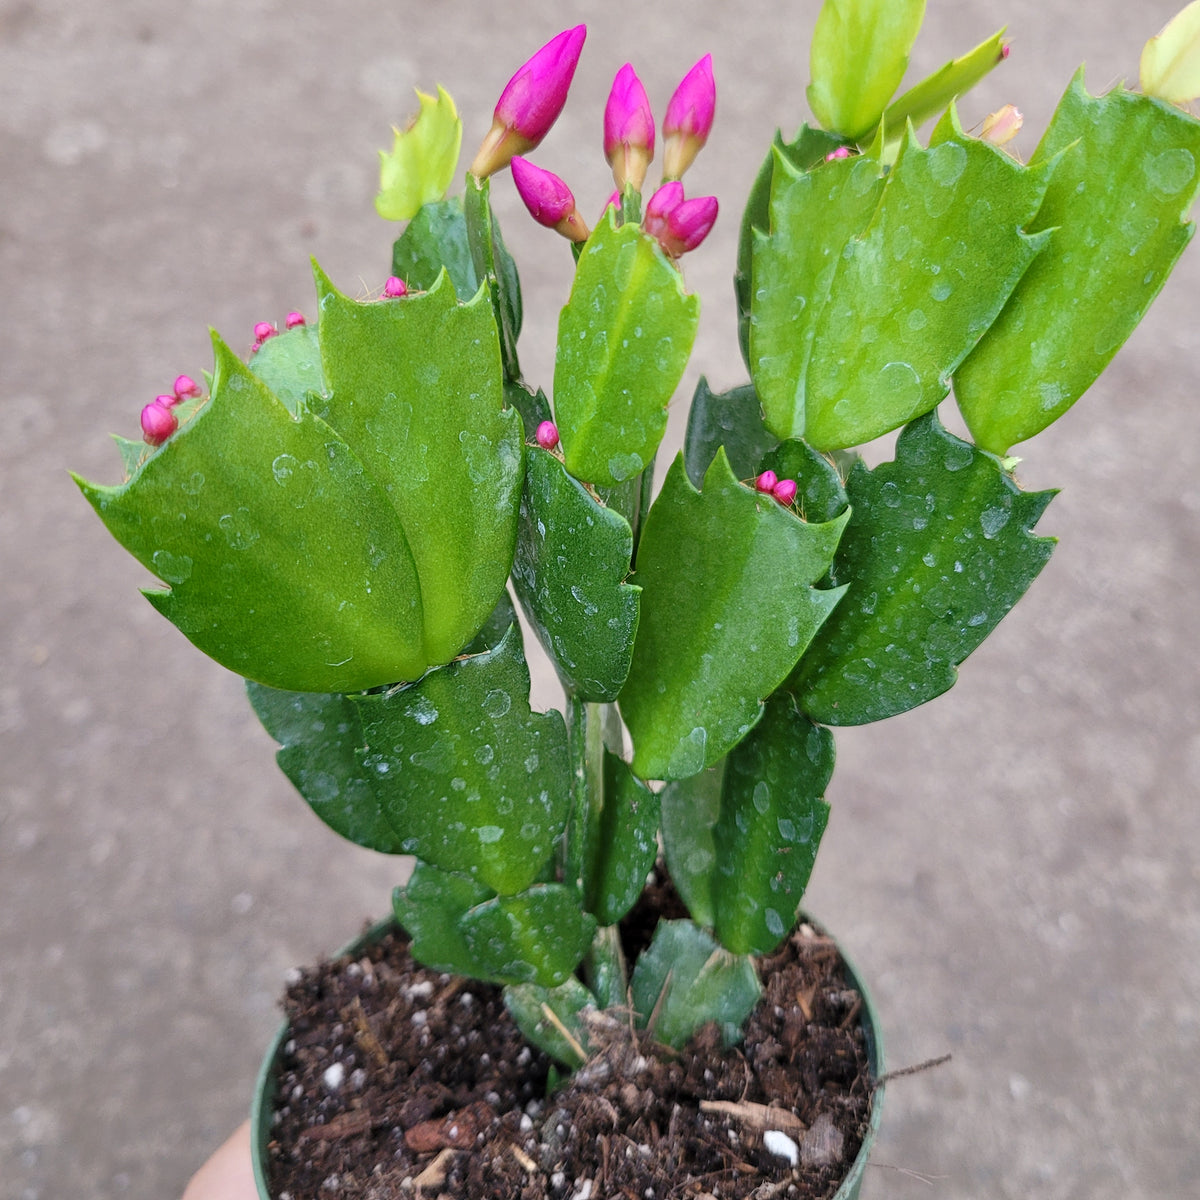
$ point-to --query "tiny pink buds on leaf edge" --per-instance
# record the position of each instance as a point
(158, 423)
(167, 399)
(548, 199)
(628, 129)
(185, 386)
(840, 152)
(1002, 126)
(785, 491)
(1005, 50)
(689, 119)
(294, 319)
(530, 102)
(264, 330)
(766, 482)
(395, 287)
(547, 435)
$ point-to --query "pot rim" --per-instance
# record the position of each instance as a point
(262, 1105)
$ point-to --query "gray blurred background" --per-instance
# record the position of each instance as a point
(1013, 866)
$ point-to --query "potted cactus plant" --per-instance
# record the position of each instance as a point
(338, 516)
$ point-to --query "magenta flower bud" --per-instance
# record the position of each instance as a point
(395, 287)
(264, 330)
(294, 319)
(158, 423)
(1005, 50)
(628, 129)
(840, 152)
(784, 491)
(185, 386)
(689, 119)
(530, 102)
(614, 201)
(167, 400)
(766, 482)
(548, 199)
(678, 224)
(547, 435)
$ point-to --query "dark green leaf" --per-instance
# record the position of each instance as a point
(821, 495)
(571, 562)
(285, 559)
(622, 843)
(533, 406)
(1116, 204)
(416, 388)
(470, 778)
(939, 547)
(858, 57)
(538, 936)
(858, 323)
(503, 618)
(494, 265)
(771, 822)
(320, 737)
(429, 908)
(527, 1004)
(436, 239)
(731, 419)
(728, 607)
(685, 979)
(690, 808)
(624, 339)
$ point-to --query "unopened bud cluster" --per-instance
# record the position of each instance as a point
(158, 421)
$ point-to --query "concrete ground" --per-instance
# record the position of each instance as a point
(1014, 866)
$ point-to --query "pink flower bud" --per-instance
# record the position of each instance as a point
(547, 435)
(185, 386)
(766, 482)
(614, 201)
(1005, 50)
(680, 225)
(689, 119)
(167, 400)
(264, 330)
(294, 319)
(628, 129)
(1002, 126)
(548, 199)
(395, 287)
(840, 152)
(530, 102)
(158, 423)
(784, 491)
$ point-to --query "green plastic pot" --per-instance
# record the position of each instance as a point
(264, 1091)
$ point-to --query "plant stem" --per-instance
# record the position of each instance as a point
(585, 735)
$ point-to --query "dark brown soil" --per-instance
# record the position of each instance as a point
(399, 1082)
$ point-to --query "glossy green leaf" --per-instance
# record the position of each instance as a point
(496, 628)
(858, 57)
(321, 737)
(423, 160)
(285, 561)
(858, 323)
(527, 1004)
(728, 607)
(1125, 179)
(622, 843)
(809, 148)
(429, 908)
(690, 808)
(571, 563)
(821, 494)
(624, 339)
(538, 936)
(468, 776)
(495, 267)
(533, 406)
(1170, 66)
(772, 817)
(416, 387)
(731, 419)
(935, 93)
(605, 968)
(290, 365)
(685, 980)
(939, 547)
(436, 238)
